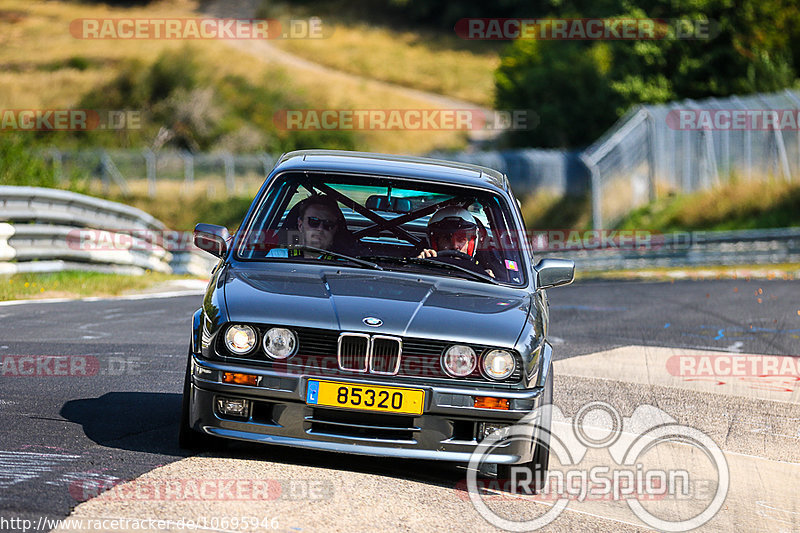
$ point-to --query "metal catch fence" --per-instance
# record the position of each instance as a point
(692, 145)
(126, 172)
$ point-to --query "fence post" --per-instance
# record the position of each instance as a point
(104, 177)
(268, 162)
(711, 158)
(748, 152)
(782, 157)
(188, 171)
(58, 164)
(594, 172)
(686, 178)
(651, 156)
(230, 183)
(150, 161)
(111, 170)
(793, 97)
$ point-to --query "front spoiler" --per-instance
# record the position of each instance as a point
(358, 449)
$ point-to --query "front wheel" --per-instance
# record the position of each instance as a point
(540, 461)
(188, 438)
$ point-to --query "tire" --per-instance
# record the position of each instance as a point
(188, 438)
(540, 461)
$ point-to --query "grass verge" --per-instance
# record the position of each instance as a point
(546, 211)
(784, 271)
(185, 214)
(75, 284)
(767, 203)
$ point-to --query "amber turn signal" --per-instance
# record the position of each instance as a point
(240, 379)
(487, 402)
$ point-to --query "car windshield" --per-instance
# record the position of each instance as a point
(388, 224)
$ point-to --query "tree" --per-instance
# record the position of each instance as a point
(565, 83)
(580, 88)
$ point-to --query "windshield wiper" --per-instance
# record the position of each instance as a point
(434, 263)
(321, 251)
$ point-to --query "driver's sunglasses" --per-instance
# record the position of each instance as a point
(314, 222)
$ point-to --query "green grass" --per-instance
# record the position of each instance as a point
(782, 271)
(73, 284)
(546, 211)
(188, 211)
(766, 203)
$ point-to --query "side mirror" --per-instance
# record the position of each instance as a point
(212, 239)
(554, 272)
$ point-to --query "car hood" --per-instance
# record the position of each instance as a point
(414, 306)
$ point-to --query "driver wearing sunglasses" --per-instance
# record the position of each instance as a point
(319, 218)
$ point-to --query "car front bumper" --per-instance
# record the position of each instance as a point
(449, 429)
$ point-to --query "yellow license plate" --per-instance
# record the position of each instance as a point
(366, 397)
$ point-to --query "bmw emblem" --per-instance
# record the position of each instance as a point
(372, 321)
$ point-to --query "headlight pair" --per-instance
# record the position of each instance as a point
(460, 361)
(278, 343)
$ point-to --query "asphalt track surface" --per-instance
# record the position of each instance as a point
(120, 421)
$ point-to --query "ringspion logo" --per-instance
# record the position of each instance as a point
(635, 474)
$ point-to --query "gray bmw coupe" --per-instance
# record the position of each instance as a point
(374, 304)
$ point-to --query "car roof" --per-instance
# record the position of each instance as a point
(450, 172)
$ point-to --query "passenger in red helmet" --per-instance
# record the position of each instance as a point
(453, 229)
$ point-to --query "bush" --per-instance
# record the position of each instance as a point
(565, 83)
(20, 165)
(185, 106)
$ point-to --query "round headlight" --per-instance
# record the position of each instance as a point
(240, 339)
(459, 361)
(280, 343)
(499, 364)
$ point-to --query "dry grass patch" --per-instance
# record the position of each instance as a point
(424, 62)
(764, 203)
(38, 36)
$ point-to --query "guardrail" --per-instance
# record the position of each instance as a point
(50, 230)
(684, 249)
